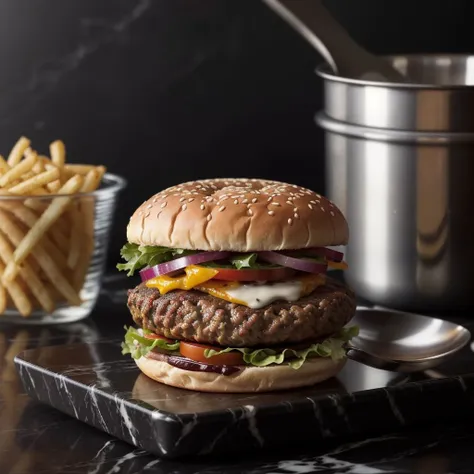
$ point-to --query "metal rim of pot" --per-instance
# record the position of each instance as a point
(324, 71)
(391, 135)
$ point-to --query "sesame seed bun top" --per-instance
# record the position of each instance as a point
(239, 215)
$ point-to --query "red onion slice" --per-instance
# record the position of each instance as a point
(291, 262)
(182, 262)
(188, 364)
(330, 254)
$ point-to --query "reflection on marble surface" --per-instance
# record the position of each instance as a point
(35, 438)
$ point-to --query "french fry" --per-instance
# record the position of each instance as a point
(101, 170)
(80, 272)
(49, 166)
(28, 274)
(46, 262)
(79, 169)
(37, 204)
(39, 167)
(3, 299)
(17, 151)
(47, 219)
(3, 165)
(35, 182)
(91, 181)
(18, 170)
(20, 299)
(27, 176)
(76, 237)
(54, 187)
(58, 153)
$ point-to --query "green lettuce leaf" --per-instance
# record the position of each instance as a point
(138, 346)
(333, 347)
(141, 256)
(244, 260)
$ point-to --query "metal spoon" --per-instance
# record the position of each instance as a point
(404, 342)
(340, 51)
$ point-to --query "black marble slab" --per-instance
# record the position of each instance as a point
(97, 385)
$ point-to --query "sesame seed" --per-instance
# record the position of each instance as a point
(290, 221)
(222, 208)
(236, 201)
(271, 213)
(297, 216)
(250, 212)
(164, 204)
(275, 204)
(140, 213)
(322, 209)
(245, 201)
(203, 207)
(289, 203)
(310, 206)
(209, 217)
(270, 198)
(184, 207)
(149, 206)
(182, 199)
(147, 214)
(190, 199)
(254, 200)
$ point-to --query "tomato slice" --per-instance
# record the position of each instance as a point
(262, 274)
(157, 336)
(195, 351)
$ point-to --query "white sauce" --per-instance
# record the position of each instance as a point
(259, 295)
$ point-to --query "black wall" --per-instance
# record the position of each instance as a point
(163, 91)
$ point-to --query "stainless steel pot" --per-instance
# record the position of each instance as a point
(400, 165)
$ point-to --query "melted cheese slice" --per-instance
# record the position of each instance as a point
(254, 295)
(338, 265)
(194, 276)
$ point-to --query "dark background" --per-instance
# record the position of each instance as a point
(163, 91)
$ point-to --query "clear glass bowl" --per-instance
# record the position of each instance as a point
(60, 279)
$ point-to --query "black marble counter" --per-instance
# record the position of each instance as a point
(38, 439)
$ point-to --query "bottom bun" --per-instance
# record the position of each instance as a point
(248, 379)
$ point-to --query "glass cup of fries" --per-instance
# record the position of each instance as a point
(55, 220)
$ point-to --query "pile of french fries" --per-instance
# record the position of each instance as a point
(46, 228)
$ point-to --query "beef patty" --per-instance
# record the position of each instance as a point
(199, 317)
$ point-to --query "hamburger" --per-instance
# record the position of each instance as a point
(235, 295)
